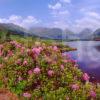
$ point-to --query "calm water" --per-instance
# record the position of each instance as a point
(88, 57)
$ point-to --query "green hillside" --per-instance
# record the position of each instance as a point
(37, 69)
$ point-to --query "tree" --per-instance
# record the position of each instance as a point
(8, 36)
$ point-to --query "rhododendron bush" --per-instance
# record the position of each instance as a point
(42, 71)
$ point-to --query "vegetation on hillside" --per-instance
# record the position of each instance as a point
(36, 69)
(51, 33)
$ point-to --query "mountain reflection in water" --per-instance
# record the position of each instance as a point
(88, 57)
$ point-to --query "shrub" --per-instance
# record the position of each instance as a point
(42, 71)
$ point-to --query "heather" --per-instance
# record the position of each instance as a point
(35, 69)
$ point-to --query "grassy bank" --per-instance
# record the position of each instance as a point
(35, 69)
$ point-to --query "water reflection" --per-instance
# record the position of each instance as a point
(98, 48)
(88, 57)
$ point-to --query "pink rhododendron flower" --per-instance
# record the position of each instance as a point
(40, 48)
(1, 46)
(76, 65)
(36, 50)
(28, 50)
(6, 58)
(55, 48)
(22, 49)
(30, 72)
(73, 61)
(1, 52)
(86, 77)
(67, 98)
(10, 53)
(64, 54)
(18, 46)
(18, 62)
(13, 42)
(62, 67)
(1, 65)
(25, 63)
(20, 78)
(92, 93)
(50, 73)
(27, 95)
(48, 59)
(65, 61)
(36, 70)
(75, 86)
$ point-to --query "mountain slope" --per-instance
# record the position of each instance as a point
(96, 34)
(14, 29)
(70, 35)
(85, 34)
(51, 33)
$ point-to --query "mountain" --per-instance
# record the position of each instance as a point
(12, 28)
(85, 34)
(70, 35)
(53, 33)
(96, 34)
(50, 33)
(42, 32)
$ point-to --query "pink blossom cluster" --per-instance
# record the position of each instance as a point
(55, 48)
(86, 77)
(10, 53)
(17, 45)
(25, 63)
(1, 52)
(92, 93)
(75, 86)
(27, 95)
(48, 61)
(50, 73)
(36, 71)
(37, 51)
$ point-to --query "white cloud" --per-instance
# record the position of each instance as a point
(89, 20)
(65, 1)
(56, 6)
(14, 17)
(74, 17)
(30, 21)
(66, 12)
(19, 20)
(60, 14)
(93, 15)
(58, 11)
(60, 24)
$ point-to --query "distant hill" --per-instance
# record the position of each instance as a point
(51, 33)
(15, 29)
(70, 35)
(85, 34)
(96, 35)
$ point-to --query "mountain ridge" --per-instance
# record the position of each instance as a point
(51, 33)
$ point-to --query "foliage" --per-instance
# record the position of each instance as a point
(39, 70)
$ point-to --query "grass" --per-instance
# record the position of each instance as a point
(36, 69)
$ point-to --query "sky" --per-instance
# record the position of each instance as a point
(66, 14)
